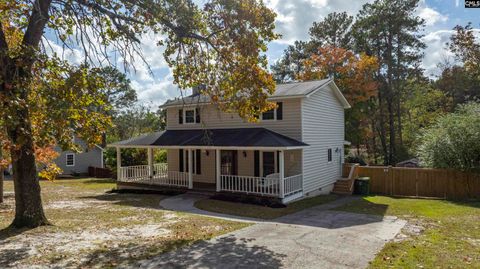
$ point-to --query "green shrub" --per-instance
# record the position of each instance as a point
(453, 141)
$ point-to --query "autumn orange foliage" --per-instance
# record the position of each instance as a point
(353, 73)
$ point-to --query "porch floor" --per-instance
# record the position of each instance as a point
(197, 186)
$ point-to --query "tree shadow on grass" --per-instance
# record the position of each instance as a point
(9, 256)
(225, 252)
(364, 206)
(470, 203)
(125, 199)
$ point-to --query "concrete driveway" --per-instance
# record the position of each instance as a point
(313, 238)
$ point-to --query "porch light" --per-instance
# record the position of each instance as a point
(206, 152)
(244, 154)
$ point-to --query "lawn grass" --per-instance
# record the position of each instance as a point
(92, 228)
(261, 212)
(451, 238)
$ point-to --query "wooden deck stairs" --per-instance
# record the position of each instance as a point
(344, 186)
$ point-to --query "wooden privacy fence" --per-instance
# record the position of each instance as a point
(99, 172)
(422, 182)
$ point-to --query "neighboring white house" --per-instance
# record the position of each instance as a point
(73, 163)
(293, 151)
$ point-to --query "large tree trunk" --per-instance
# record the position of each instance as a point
(381, 128)
(392, 144)
(1, 177)
(15, 76)
(28, 201)
(1, 185)
(399, 122)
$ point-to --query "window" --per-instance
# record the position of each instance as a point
(274, 114)
(268, 163)
(268, 115)
(228, 165)
(70, 159)
(329, 155)
(190, 116)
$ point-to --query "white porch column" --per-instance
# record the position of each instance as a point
(190, 168)
(119, 162)
(150, 162)
(218, 170)
(281, 167)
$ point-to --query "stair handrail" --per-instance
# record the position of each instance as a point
(351, 175)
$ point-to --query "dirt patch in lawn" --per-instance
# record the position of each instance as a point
(95, 229)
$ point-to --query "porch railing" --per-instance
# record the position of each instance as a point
(268, 186)
(133, 173)
(160, 175)
(293, 184)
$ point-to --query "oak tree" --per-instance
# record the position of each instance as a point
(220, 45)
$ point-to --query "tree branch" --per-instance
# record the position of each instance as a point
(3, 40)
(36, 23)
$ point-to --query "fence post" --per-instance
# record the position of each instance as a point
(416, 183)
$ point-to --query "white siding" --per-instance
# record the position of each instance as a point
(323, 124)
(212, 118)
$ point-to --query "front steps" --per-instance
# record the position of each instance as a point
(343, 186)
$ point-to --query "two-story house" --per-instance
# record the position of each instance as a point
(291, 152)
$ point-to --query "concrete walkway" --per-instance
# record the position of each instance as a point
(185, 203)
(313, 238)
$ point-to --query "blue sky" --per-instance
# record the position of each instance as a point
(294, 18)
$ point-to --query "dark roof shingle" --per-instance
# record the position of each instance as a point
(234, 137)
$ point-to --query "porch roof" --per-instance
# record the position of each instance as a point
(221, 138)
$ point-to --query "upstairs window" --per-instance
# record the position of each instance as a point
(268, 115)
(274, 114)
(189, 116)
(70, 159)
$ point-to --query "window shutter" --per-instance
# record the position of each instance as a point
(235, 162)
(180, 160)
(278, 161)
(198, 162)
(197, 115)
(256, 163)
(180, 116)
(279, 111)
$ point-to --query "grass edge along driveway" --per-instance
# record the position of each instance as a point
(261, 212)
(440, 234)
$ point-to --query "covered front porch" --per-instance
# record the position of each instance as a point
(250, 167)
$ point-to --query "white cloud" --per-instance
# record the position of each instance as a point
(295, 17)
(74, 56)
(430, 15)
(436, 51)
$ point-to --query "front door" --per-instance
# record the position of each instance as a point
(228, 162)
(268, 163)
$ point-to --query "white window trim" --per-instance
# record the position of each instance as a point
(66, 159)
(194, 116)
(331, 155)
